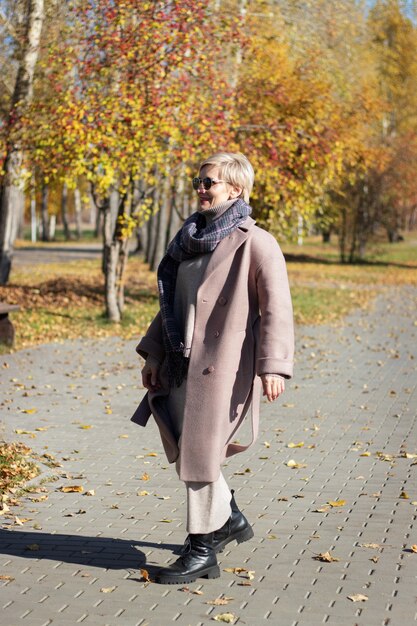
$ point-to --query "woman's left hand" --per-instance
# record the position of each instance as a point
(273, 386)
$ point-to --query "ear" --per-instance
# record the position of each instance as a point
(235, 192)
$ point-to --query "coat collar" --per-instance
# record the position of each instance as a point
(228, 246)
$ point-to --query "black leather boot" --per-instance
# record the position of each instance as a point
(198, 560)
(236, 528)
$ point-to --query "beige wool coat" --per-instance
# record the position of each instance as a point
(243, 328)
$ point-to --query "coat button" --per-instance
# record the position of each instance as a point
(222, 300)
(210, 369)
(217, 334)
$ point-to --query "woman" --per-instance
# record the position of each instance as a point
(224, 329)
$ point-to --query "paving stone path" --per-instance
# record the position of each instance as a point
(353, 406)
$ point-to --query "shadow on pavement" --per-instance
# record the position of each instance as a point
(104, 552)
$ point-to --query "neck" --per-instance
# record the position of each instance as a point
(216, 211)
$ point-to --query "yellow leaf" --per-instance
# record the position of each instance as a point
(143, 493)
(151, 454)
(294, 465)
(365, 454)
(29, 411)
(296, 445)
(228, 618)
(123, 436)
(335, 503)
(107, 589)
(404, 495)
(6, 577)
(85, 426)
(41, 428)
(145, 476)
(414, 548)
(267, 444)
(72, 489)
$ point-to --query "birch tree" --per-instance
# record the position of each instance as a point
(12, 182)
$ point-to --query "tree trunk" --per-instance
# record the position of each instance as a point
(342, 236)
(162, 225)
(78, 210)
(11, 192)
(44, 213)
(110, 256)
(115, 254)
(152, 226)
(64, 212)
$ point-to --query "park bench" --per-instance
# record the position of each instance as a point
(6, 326)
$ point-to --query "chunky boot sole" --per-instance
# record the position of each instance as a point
(240, 536)
(181, 579)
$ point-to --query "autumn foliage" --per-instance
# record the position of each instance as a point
(130, 96)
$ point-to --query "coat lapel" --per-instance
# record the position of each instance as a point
(227, 247)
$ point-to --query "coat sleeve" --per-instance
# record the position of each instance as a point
(151, 343)
(275, 350)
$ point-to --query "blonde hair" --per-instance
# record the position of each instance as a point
(235, 169)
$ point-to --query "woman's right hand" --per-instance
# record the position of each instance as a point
(150, 374)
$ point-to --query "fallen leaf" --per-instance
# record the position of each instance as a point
(365, 454)
(369, 545)
(358, 597)
(335, 503)
(165, 520)
(90, 492)
(295, 445)
(33, 547)
(6, 577)
(325, 557)
(220, 601)
(374, 559)
(294, 465)
(143, 493)
(85, 426)
(404, 495)
(72, 489)
(145, 476)
(229, 618)
(151, 454)
(41, 428)
(323, 509)
(414, 548)
(107, 589)
(123, 436)
(29, 411)
(145, 575)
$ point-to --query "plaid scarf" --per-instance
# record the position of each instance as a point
(194, 238)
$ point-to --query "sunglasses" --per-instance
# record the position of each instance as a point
(206, 182)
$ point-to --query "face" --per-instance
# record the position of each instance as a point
(218, 193)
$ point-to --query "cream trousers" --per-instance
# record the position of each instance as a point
(208, 505)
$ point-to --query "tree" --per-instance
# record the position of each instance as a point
(11, 190)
